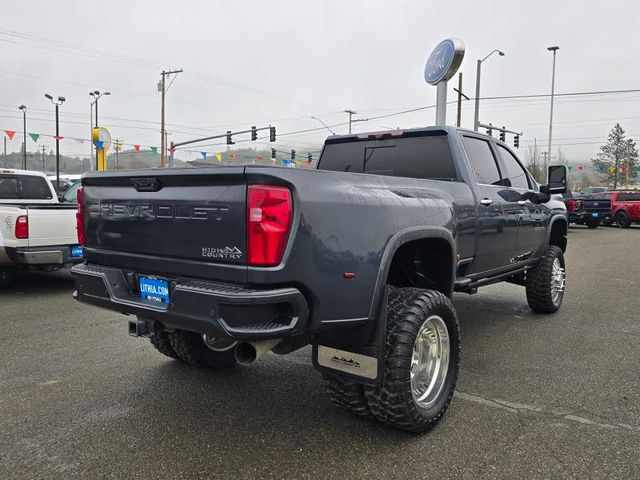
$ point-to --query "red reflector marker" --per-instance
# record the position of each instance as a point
(22, 227)
(269, 213)
(349, 275)
(80, 217)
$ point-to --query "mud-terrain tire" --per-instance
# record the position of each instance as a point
(407, 400)
(623, 220)
(346, 394)
(191, 348)
(546, 281)
(162, 343)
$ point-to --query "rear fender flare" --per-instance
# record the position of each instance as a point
(394, 243)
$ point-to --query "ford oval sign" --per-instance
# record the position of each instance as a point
(444, 61)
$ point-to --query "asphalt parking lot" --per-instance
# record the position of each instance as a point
(538, 396)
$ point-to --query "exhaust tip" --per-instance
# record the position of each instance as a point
(246, 353)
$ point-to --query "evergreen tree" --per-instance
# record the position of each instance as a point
(618, 158)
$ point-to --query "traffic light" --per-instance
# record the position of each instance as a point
(254, 134)
(490, 131)
(309, 158)
(516, 141)
(293, 154)
(503, 135)
(272, 134)
(229, 141)
(273, 153)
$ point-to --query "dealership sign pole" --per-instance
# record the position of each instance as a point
(442, 64)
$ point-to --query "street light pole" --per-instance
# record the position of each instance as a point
(476, 116)
(57, 103)
(24, 136)
(324, 125)
(553, 84)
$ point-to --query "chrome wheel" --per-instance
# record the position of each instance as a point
(557, 281)
(430, 361)
(218, 344)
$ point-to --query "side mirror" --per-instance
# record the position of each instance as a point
(557, 180)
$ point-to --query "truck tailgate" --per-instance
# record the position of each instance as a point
(52, 225)
(191, 216)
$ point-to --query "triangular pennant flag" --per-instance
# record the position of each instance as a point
(117, 146)
(204, 154)
(218, 157)
(612, 169)
(34, 137)
(137, 147)
(233, 155)
(58, 137)
(580, 167)
(154, 150)
(601, 168)
(259, 158)
(99, 144)
(10, 133)
(569, 167)
(623, 169)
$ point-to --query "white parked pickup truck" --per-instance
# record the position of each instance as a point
(36, 229)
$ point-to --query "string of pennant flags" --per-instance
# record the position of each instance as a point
(10, 134)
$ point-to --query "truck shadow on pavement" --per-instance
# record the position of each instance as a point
(36, 282)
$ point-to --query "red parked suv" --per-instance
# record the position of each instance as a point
(625, 207)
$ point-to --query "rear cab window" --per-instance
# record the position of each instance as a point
(425, 156)
(629, 197)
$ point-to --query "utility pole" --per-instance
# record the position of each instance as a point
(460, 95)
(43, 165)
(163, 90)
(117, 145)
(24, 136)
(553, 85)
(351, 113)
(5, 151)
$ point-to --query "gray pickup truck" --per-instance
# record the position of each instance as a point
(359, 258)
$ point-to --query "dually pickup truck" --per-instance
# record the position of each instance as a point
(359, 258)
(36, 230)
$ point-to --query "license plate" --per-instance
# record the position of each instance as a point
(77, 251)
(154, 289)
(594, 214)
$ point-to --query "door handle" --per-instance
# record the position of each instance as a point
(486, 202)
(522, 203)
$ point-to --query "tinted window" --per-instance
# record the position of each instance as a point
(34, 188)
(482, 161)
(343, 157)
(604, 195)
(9, 187)
(628, 197)
(416, 157)
(515, 171)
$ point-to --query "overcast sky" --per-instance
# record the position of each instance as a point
(255, 62)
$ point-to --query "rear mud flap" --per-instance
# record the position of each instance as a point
(360, 363)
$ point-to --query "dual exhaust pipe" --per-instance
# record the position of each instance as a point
(249, 352)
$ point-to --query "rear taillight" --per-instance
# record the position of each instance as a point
(571, 204)
(22, 227)
(269, 213)
(80, 217)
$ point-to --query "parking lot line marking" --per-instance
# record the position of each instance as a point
(520, 408)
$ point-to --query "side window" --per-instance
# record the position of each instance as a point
(515, 171)
(34, 188)
(482, 161)
(629, 197)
